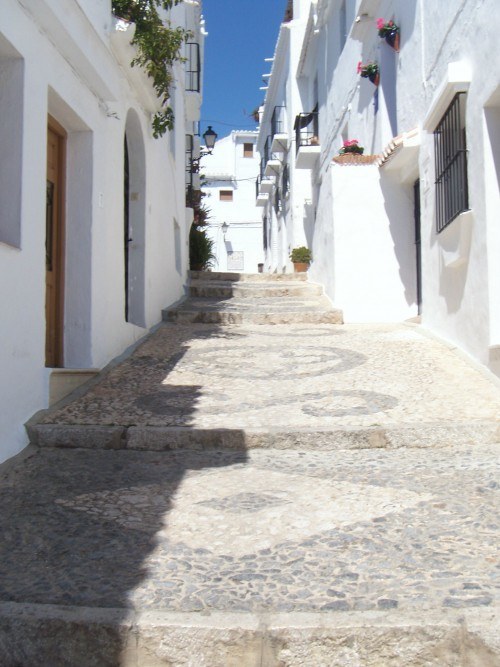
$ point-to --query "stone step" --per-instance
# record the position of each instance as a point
(247, 277)
(264, 310)
(170, 438)
(243, 290)
(33, 634)
(250, 559)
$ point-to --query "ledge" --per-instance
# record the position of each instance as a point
(457, 80)
(307, 156)
(455, 241)
(121, 36)
(354, 159)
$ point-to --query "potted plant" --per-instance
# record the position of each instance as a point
(301, 258)
(389, 31)
(351, 146)
(370, 71)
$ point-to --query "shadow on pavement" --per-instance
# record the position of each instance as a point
(79, 525)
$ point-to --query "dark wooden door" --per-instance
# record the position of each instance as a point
(54, 247)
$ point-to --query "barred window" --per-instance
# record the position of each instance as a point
(452, 192)
(277, 201)
(286, 179)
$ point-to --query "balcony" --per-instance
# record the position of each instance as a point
(264, 183)
(279, 136)
(272, 160)
(262, 197)
(307, 140)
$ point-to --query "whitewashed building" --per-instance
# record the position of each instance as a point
(415, 230)
(93, 221)
(235, 222)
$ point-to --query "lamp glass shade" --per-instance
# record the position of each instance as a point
(210, 138)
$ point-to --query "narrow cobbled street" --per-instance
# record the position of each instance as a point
(258, 484)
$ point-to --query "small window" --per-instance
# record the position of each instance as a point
(247, 150)
(225, 195)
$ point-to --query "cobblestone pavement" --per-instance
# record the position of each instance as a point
(336, 533)
(255, 531)
(294, 376)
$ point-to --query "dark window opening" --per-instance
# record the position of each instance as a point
(225, 195)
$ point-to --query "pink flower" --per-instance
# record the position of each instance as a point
(380, 23)
(360, 67)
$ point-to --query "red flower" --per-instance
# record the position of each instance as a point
(360, 67)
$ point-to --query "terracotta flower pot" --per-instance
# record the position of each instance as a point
(374, 78)
(300, 267)
(392, 38)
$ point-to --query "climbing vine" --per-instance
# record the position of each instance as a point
(159, 47)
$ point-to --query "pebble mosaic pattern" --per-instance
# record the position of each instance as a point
(294, 376)
(114, 529)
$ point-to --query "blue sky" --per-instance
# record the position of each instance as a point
(241, 33)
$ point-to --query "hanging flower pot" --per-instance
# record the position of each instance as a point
(369, 71)
(389, 31)
(392, 38)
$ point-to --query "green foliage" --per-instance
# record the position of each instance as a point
(302, 255)
(201, 255)
(159, 47)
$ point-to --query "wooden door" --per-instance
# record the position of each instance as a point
(54, 246)
(418, 245)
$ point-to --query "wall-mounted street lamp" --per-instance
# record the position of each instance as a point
(210, 137)
(224, 228)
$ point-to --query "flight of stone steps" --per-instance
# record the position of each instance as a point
(234, 298)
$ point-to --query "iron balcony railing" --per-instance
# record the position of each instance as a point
(267, 150)
(278, 121)
(193, 67)
(452, 190)
(262, 167)
(189, 160)
(307, 129)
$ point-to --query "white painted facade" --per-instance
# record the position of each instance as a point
(229, 174)
(69, 59)
(359, 221)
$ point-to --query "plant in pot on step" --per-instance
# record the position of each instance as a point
(370, 71)
(301, 258)
(389, 31)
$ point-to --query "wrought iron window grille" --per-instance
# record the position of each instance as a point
(450, 147)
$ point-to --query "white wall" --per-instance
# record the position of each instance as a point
(71, 71)
(228, 169)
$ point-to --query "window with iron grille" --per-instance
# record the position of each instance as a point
(277, 200)
(193, 67)
(286, 180)
(452, 191)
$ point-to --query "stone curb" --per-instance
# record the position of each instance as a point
(157, 438)
(33, 634)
